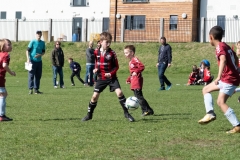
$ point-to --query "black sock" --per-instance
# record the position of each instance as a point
(91, 106)
(122, 101)
(211, 112)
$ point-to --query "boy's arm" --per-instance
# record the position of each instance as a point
(169, 56)
(115, 65)
(222, 64)
(5, 66)
(53, 58)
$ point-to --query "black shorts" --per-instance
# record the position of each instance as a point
(102, 84)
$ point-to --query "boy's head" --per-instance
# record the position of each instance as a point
(106, 39)
(70, 60)
(215, 34)
(90, 44)
(238, 44)
(98, 44)
(194, 68)
(5, 45)
(129, 51)
(205, 64)
(57, 44)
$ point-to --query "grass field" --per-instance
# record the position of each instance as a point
(49, 126)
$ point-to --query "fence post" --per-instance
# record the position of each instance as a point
(161, 27)
(122, 29)
(50, 30)
(85, 31)
(16, 30)
(202, 30)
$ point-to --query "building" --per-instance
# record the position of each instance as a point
(140, 20)
(223, 13)
(66, 17)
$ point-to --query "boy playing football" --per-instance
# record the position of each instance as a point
(106, 66)
(136, 80)
(226, 81)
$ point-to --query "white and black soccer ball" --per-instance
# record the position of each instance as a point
(132, 103)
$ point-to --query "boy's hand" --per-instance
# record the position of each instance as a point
(107, 75)
(134, 74)
(75, 69)
(95, 70)
(157, 64)
(216, 80)
(13, 73)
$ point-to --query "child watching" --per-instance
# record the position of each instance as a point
(136, 80)
(5, 47)
(194, 76)
(76, 69)
(206, 77)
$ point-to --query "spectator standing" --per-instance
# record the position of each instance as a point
(89, 64)
(57, 59)
(34, 53)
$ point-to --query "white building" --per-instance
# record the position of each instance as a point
(223, 13)
(67, 17)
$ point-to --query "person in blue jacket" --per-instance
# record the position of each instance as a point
(76, 69)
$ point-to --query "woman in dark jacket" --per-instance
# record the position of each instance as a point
(57, 64)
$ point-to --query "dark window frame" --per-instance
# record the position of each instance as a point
(105, 24)
(3, 15)
(173, 22)
(18, 15)
(84, 3)
(135, 1)
(221, 21)
(133, 22)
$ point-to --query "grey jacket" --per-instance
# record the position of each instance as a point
(90, 56)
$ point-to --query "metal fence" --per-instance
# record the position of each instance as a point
(149, 31)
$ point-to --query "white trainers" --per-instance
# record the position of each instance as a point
(62, 87)
(55, 86)
(234, 130)
(207, 118)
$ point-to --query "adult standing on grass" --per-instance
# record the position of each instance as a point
(89, 64)
(34, 53)
(5, 47)
(57, 59)
(164, 61)
(226, 81)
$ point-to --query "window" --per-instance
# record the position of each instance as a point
(134, 1)
(18, 15)
(135, 22)
(173, 22)
(3, 15)
(105, 25)
(78, 3)
(221, 23)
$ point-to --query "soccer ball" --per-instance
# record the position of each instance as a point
(132, 103)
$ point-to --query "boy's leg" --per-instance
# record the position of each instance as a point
(79, 78)
(100, 86)
(146, 109)
(71, 77)
(38, 75)
(208, 101)
(91, 106)
(3, 96)
(228, 112)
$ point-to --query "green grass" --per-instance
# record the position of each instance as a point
(49, 126)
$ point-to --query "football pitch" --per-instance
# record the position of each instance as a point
(49, 126)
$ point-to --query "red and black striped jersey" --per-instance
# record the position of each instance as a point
(106, 63)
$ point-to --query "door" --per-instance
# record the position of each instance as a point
(77, 28)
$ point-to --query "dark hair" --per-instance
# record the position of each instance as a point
(70, 59)
(106, 36)
(216, 32)
(163, 38)
(130, 47)
(39, 32)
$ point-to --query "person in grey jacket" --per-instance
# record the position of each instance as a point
(57, 59)
(90, 64)
(164, 61)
